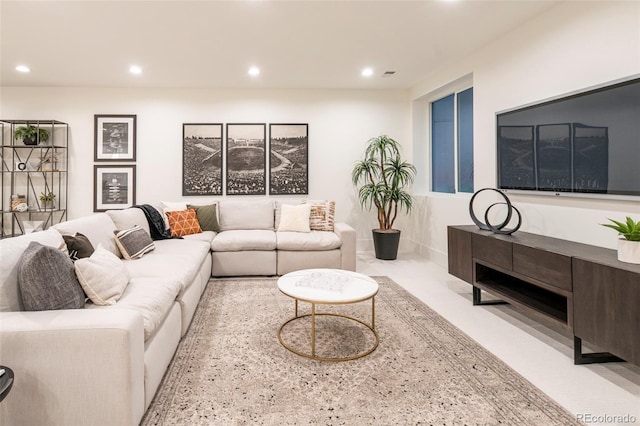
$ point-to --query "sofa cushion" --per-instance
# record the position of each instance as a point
(97, 227)
(128, 218)
(134, 242)
(205, 236)
(314, 240)
(177, 260)
(183, 222)
(240, 240)
(295, 218)
(246, 214)
(103, 276)
(152, 297)
(322, 215)
(11, 250)
(47, 280)
(207, 216)
(78, 246)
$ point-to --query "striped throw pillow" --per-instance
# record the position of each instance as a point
(134, 242)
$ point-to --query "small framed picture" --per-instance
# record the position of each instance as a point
(289, 159)
(202, 159)
(246, 159)
(114, 187)
(115, 137)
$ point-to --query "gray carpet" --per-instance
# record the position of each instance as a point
(230, 368)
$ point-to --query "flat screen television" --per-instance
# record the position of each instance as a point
(583, 143)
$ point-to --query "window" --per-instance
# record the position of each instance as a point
(452, 143)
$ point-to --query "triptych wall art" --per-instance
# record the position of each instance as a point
(114, 141)
(238, 164)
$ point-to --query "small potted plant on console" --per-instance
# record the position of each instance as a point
(629, 242)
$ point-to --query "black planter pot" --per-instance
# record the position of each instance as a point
(30, 140)
(386, 243)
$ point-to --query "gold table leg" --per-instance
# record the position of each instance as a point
(373, 313)
(313, 329)
(313, 314)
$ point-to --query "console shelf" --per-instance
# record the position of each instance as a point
(582, 287)
(521, 293)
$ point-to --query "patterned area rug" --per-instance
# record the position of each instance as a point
(230, 368)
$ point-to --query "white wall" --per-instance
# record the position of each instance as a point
(340, 122)
(573, 46)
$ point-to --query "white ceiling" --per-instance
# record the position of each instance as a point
(296, 44)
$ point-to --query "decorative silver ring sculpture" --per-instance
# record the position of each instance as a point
(488, 226)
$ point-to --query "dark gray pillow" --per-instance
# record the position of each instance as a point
(47, 280)
(78, 245)
(134, 242)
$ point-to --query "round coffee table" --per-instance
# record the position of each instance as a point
(328, 287)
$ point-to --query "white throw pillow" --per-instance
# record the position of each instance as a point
(168, 206)
(295, 218)
(103, 276)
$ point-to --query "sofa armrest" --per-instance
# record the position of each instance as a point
(82, 366)
(348, 249)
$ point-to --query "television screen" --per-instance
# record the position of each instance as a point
(583, 143)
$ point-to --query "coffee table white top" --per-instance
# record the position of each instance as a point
(330, 286)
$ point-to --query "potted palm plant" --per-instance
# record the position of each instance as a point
(31, 135)
(382, 178)
(629, 241)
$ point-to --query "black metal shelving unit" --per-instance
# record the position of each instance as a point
(28, 171)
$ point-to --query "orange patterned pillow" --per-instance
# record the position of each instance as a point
(183, 222)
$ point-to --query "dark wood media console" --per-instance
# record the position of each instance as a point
(582, 287)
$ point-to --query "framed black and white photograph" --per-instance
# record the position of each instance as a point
(288, 159)
(115, 137)
(202, 159)
(246, 159)
(114, 187)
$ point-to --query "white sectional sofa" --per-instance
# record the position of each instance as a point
(102, 365)
(250, 244)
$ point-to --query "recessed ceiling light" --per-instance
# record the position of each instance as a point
(134, 69)
(367, 72)
(23, 68)
(254, 71)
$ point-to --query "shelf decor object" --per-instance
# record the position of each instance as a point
(487, 225)
(34, 162)
(629, 241)
(115, 137)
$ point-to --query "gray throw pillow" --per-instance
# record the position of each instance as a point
(78, 245)
(134, 242)
(207, 217)
(47, 280)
